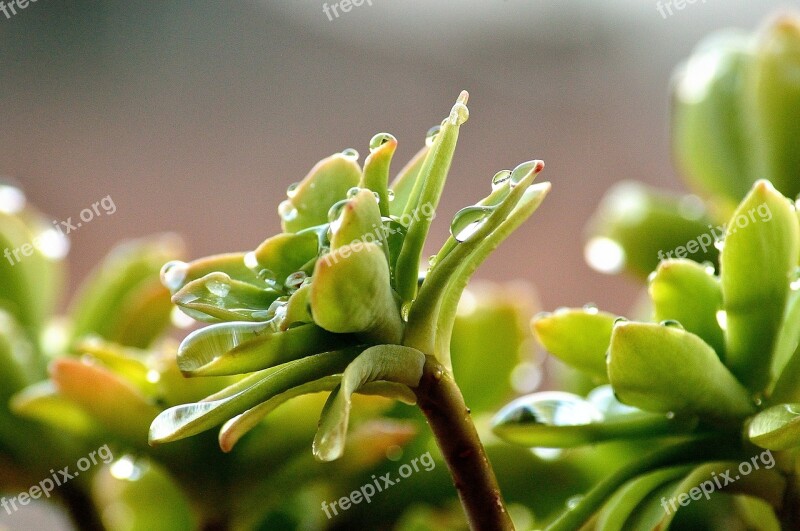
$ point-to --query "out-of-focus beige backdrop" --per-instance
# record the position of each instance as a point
(194, 116)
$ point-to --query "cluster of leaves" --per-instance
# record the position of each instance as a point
(712, 377)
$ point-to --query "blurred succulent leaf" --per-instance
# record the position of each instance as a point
(376, 168)
(351, 293)
(710, 135)
(774, 100)
(359, 218)
(190, 419)
(326, 183)
(688, 292)
(108, 302)
(403, 183)
(554, 419)
(635, 226)
(578, 337)
(42, 402)
(217, 296)
(667, 369)
(111, 401)
(122, 361)
(19, 362)
(490, 338)
(756, 266)
(283, 254)
(237, 348)
(776, 428)
(614, 515)
(394, 363)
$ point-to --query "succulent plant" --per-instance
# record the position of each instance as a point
(336, 303)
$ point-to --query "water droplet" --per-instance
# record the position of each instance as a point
(620, 320)
(671, 323)
(719, 244)
(430, 136)
(336, 210)
(549, 408)
(591, 308)
(522, 170)
(758, 400)
(291, 191)
(352, 192)
(295, 280)
(52, 243)
(722, 319)
(547, 454)
(390, 194)
(468, 220)
(709, 267)
(574, 501)
(459, 114)
(377, 197)
(287, 210)
(250, 260)
(153, 376)
(350, 153)
(127, 468)
(268, 277)
(500, 178)
(173, 274)
(379, 140)
(604, 399)
(604, 255)
(432, 260)
(12, 199)
(405, 309)
(670, 415)
(219, 286)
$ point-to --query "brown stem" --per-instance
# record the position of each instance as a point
(441, 401)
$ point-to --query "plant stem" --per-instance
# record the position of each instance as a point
(441, 401)
(81, 509)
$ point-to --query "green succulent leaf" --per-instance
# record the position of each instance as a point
(786, 361)
(217, 296)
(111, 401)
(42, 402)
(376, 168)
(618, 509)
(393, 363)
(403, 184)
(122, 300)
(351, 293)
(578, 337)
(283, 254)
(360, 221)
(176, 274)
(326, 183)
(688, 292)
(710, 135)
(774, 102)
(19, 362)
(554, 419)
(667, 369)
(186, 420)
(776, 428)
(636, 226)
(298, 308)
(238, 348)
(761, 250)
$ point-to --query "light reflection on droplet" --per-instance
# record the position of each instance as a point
(604, 255)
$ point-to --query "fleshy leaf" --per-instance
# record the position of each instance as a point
(688, 292)
(376, 168)
(760, 255)
(281, 255)
(326, 183)
(636, 226)
(111, 401)
(578, 337)
(360, 221)
(667, 369)
(238, 348)
(554, 419)
(393, 363)
(42, 402)
(776, 428)
(403, 184)
(176, 274)
(186, 420)
(351, 293)
(217, 296)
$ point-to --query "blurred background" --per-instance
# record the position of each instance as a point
(195, 116)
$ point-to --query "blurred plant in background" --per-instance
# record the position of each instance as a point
(709, 378)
